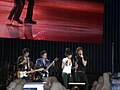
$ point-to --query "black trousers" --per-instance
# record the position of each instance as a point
(16, 10)
(29, 10)
(66, 79)
(80, 76)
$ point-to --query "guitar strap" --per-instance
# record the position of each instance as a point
(27, 63)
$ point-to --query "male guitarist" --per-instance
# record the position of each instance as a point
(41, 62)
(24, 63)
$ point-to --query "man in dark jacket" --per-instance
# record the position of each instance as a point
(41, 62)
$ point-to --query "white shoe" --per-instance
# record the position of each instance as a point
(9, 22)
(15, 23)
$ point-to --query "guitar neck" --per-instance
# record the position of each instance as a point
(37, 70)
(51, 64)
(41, 69)
(49, 67)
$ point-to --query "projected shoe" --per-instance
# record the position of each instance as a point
(30, 22)
(9, 22)
(17, 23)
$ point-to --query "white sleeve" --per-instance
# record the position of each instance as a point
(64, 60)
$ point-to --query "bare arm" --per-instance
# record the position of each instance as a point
(63, 65)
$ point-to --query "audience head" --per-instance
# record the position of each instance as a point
(75, 88)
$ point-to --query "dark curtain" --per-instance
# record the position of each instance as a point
(10, 49)
(112, 35)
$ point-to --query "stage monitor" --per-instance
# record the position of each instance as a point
(34, 86)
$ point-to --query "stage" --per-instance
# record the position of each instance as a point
(66, 21)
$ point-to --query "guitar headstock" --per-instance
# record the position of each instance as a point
(56, 59)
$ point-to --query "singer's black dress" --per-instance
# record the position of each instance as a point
(80, 74)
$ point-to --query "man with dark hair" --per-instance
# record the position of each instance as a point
(24, 63)
(41, 62)
(25, 50)
(80, 64)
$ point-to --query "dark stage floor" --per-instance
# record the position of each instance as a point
(57, 21)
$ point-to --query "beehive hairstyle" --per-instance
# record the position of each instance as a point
(68, 51)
